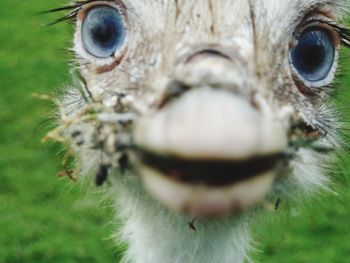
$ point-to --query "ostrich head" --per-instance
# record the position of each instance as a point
(203, 108)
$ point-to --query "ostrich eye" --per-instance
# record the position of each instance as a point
(314, 55)
(103, 31)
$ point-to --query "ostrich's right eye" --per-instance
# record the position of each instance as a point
(314, 55)
(103, 31)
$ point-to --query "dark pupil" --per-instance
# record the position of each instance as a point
(104, 31)
(311, 55)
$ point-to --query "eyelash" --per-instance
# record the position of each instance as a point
(342, 32)
(74, 10)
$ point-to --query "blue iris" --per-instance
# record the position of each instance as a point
(103, 31)
(314, 55)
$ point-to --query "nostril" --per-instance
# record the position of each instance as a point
(174, 90)
(207, 53)
(210, 67)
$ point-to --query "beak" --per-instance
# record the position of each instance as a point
(212, 150)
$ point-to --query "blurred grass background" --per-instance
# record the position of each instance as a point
(47, 219)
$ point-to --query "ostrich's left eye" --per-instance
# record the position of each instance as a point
(314, 55)
(103, 31)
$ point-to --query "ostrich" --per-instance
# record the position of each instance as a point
(196, 113)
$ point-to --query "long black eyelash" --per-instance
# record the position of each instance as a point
(344, 34)
(73, 8)
(342, 31)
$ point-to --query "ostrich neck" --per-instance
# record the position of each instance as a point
(155, 234)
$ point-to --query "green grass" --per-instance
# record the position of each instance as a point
(47, 219)
(42, 218)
